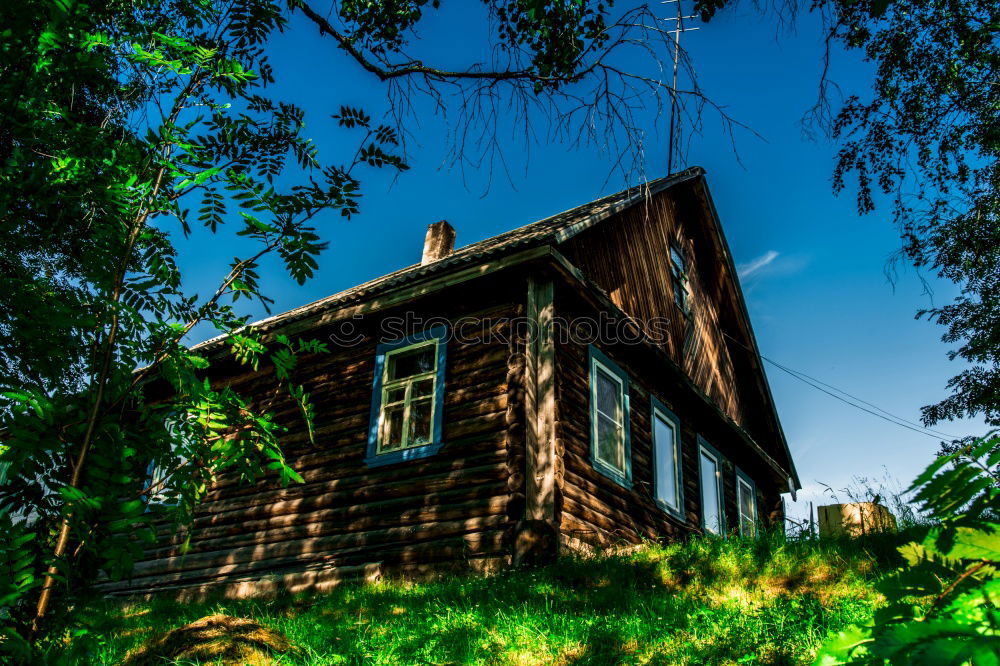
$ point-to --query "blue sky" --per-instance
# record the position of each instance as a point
(814, 276)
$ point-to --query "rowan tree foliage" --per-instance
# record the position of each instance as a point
(129, 125)
(121, 118)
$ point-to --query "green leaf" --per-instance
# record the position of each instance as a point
(840, 648)
(977, 544)
(199, 362)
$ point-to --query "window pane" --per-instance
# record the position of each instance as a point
(395, 394)
(610, 443)
(392, 428)
(423, 387)
(710, 494)
(747, 508)
(680, 293)
(746, 499)
(677, 259)
(412, 362)
(666, 463)
(420, 423)
(609, 396)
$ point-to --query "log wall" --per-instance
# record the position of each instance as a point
(457, 506)
(598, 511)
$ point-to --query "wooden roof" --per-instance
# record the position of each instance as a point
(554, 229)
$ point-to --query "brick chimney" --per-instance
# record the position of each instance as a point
(439, 242)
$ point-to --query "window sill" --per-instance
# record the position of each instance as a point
(404, 455)
(614, 474)
(676, 514)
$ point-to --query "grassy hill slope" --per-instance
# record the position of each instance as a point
(705, 601)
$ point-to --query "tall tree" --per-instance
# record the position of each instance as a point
(122, 117)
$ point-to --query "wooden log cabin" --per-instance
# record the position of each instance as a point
(586, 380)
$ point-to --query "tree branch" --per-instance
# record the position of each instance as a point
(418, 68)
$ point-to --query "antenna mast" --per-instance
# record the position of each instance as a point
(674, 109)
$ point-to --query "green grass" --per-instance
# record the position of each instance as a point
(705, 601)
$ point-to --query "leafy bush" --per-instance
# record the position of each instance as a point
(944, 604)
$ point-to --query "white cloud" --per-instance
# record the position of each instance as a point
(758, 264)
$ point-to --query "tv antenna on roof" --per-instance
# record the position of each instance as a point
(674, 108)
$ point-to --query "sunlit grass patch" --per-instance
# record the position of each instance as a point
(703, 601)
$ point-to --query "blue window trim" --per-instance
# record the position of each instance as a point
(594, 357)
(149, 479)
(373, 459)
(740, 474)
(720, 462)
(655, 406)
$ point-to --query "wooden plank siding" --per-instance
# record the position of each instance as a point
(596, 510)
(629, 258)
(456, 506)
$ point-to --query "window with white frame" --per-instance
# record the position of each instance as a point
(713, 518)
(407, 398)
(746, 501)
(667, 459)
(609, 418)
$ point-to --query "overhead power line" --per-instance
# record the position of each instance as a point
(864, 402)
(819, 386)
